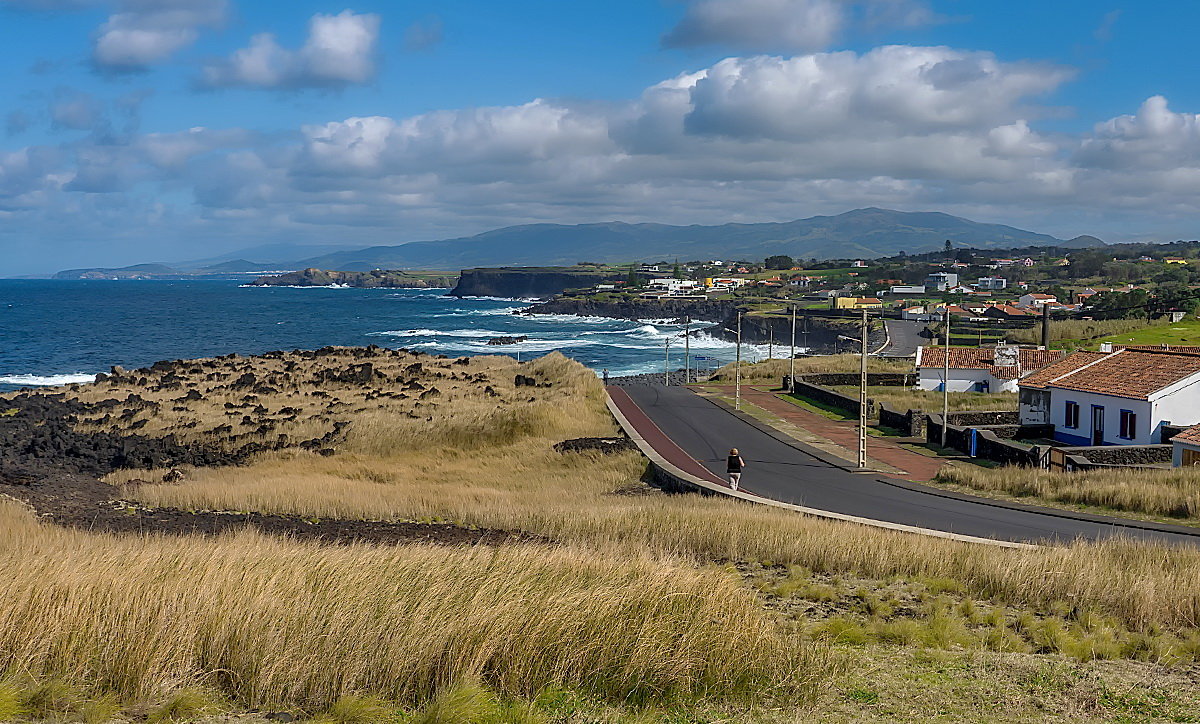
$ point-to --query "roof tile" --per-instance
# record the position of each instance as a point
(1133, 374)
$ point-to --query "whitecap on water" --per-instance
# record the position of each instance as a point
(47, 380)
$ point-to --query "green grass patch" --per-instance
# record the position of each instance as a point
(1186, 333)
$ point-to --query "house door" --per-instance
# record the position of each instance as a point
(1191, 458)
(1097, 425)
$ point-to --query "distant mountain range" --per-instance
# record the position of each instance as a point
(862, 233)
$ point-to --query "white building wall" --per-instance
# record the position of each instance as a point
(930, 378)
(1178, 405)
(1147, 424)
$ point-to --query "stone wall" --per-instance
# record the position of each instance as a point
(910, 422)
(1124, 454)
(831, 398)
(975, 418)
(990, 446)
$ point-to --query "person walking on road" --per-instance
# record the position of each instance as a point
(734, 467)
(606, 377)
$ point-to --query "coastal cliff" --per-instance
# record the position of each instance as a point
(378, 279)
(527, 282)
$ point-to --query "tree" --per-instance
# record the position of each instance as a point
(780, 261)
(948, 247)
(677, 272)
(632, 279)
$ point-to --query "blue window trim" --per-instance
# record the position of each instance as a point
(1067, 415)
(1131, 429)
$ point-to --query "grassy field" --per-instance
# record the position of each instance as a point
(640, 607)
(1186, 333)
(906, 398)
(1173, 493)
(772, 371)
(1079, 333)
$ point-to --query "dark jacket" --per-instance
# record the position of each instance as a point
(735, 464)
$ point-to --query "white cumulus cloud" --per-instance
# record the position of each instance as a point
(340, 50)
(146, 32)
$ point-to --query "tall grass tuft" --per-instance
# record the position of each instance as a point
(1174, 493)
(269, 622)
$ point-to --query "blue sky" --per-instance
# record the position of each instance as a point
(138, 130)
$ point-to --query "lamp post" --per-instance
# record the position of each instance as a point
(792, 358)
(862, 390)
(687, 350)
(946, 378)
(667, 362)
(737, 365)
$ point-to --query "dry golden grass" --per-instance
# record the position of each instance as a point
(773, 370)
(1174, 492)
(400, 473)
(906, 398)
(270, 622)
(1082, 329)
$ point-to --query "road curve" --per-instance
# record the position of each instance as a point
(903, 338)
(784, 470)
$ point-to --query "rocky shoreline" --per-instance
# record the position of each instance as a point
(154, 425)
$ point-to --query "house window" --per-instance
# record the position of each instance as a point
(982, 386)
(1128, 424)
(1072, 416)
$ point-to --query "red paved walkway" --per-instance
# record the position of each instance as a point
(917, 467)
(657, 438)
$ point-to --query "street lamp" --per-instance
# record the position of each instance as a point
(862, 392)
(737, 365)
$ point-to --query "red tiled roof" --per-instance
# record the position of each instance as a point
(982, 358)
(1192, 435)
(1062, 367)
(1134, 374)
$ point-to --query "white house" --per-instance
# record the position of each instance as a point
(1036, 299)
(991, 283)
(672, 284)
(906, 289)
(980, 369)
(1115, 398)
(1187, 448)
(941, 281)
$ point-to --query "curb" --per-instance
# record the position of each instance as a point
(670, 469)
(886, 479)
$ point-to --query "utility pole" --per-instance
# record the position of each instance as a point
(862, 397)
(687, 350)
(946, 379)
(1045, 326)
(771, 345)
(792, 358)
(737, 368)
(667, 362)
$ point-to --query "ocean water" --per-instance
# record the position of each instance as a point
(55, 332)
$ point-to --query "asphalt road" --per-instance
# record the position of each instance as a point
(903, 338)
(781, 471)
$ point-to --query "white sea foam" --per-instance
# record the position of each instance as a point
(294, 286)
(488, 333)
(47, 380)
(532, 345)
